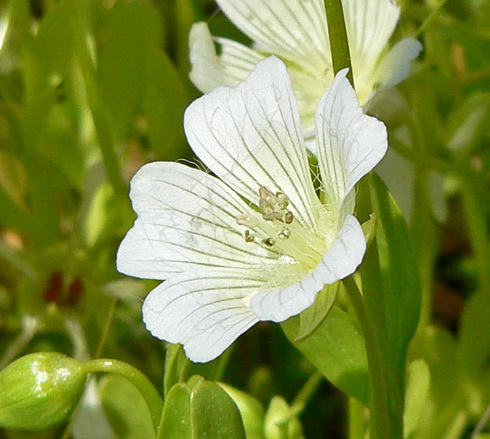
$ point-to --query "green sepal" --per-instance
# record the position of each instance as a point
(313, 316)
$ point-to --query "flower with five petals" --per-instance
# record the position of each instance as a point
(257, 241)
(296, 32)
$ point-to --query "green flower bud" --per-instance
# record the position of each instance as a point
(40, 390)
(281, 422)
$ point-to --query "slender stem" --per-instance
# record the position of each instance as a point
(107, 326)
(380, 420)
(357, 428)
(337, 33)
(95, 102)
(306, 392)
(140, 381)
(474, 210)
(430, 18)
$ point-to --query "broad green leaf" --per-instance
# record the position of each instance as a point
(164, 104)
(313, 316)
(54, 42)
(176, 420)
(200, 409)
(474, 335)
(391, 284)
(418, 383)
(126, 409)
(251, 411)
(336, 349)
(214, 414)
(133, 29)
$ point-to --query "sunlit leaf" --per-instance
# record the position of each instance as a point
(336, 349)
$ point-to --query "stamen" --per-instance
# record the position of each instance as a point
(268, 242)
(273, 216)
(282, 200)
(249, 237)
(285, 233)
(267, 200)
(244, 219)
(288, 217)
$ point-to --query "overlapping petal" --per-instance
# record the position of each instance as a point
(294, 30)
(349, 143)
(186, 220)
(395, 66)
(209, 71)
(342, 259)
(250, 136)
(203, 309)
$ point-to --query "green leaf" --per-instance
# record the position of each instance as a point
(474, 336)
(164, 104)
(200, 409)
(214, 414)
(391, 288)
(126, 409)
(336, 349)
(54, 41)
(313, 316)
(251, 411)
(416, 396)
(133, 30)
(176, 420)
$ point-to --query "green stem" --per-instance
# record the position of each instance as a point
(357, 428)
(380, 420)
(140, 381)
(306, 392)
(95, 102)
(474, 209)
(337, 33)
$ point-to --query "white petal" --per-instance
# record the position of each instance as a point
(342, 258)
(395, 66)
(186, 219)
(210, 70)
(349, 143)
(295, 29)
(250, 136)
(203, 310)
(370, 24)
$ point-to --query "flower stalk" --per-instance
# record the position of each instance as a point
(380, 420)
(337, 34)
(140, 381)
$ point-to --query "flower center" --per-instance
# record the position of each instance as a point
(279, 230)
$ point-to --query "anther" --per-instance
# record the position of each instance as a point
(267, 199)
(282, 200)
(288, 217)
(244, 219)
(271, 216)
(285, 233)
(268, 242)
(249, 237)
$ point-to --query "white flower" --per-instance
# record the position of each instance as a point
(256, 243)
(296, 31)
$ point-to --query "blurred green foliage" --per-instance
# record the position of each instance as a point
(89, 91)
